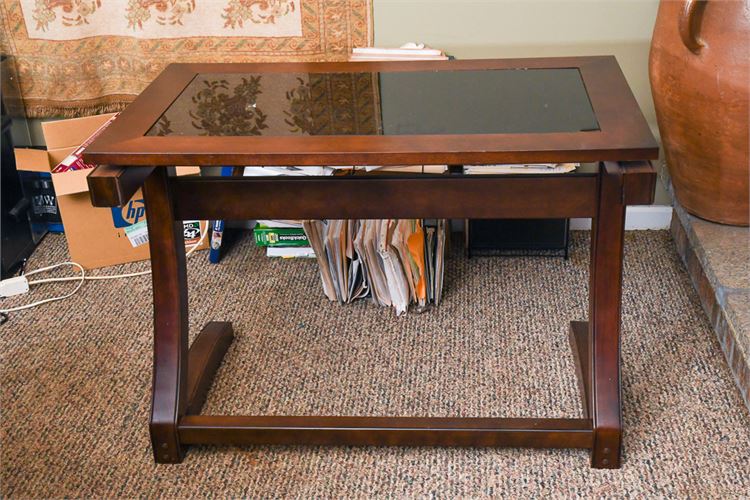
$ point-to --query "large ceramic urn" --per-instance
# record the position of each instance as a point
(700, 79)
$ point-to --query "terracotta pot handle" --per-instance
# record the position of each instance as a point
(689, 24)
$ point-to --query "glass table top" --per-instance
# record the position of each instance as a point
(504, 101)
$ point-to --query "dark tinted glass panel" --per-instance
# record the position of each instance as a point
(392, 103)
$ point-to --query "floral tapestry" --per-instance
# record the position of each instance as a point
(79, 57)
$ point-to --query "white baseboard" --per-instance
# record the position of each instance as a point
(637, 217)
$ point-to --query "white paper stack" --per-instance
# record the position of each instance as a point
(521, 168)
(407, 52)
(287, 171)
(409, 169)
(290, 252)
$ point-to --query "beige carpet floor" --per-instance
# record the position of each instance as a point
(76, 378)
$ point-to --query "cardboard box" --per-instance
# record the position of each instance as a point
(97, 237)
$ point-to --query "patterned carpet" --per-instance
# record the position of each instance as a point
(76, 377)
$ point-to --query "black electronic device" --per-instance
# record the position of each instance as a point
(19, 235)
(543, 237)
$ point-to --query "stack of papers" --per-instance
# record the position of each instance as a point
(521, 168)
(290, 252)
(395, 263)
(408, 169)
(287, 171)
(407, 52)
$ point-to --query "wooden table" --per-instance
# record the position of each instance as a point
(576, 109)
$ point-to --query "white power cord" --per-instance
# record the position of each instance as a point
(83, 277)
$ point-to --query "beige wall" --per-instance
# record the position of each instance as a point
(474, 29)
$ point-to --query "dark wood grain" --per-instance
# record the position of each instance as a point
(113, 186)
(204, 358)
(169, 278)
(377, 197)
(623, 135)
(386, 431)
(605, 291)
(639, 182)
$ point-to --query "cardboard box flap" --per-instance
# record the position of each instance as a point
(32, 160)
(180, 171)
(58, 155)
(67, 133)
(71, 182)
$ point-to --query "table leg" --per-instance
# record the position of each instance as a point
(605, 292)
(169, 392)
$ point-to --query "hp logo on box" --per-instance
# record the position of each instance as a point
(131, 213)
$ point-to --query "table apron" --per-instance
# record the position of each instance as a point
(387, 197)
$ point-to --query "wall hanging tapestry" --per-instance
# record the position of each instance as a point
(78, 57)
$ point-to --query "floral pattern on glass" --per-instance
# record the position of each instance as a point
(217, 112)
(300, 109)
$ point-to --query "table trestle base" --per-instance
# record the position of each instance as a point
(183, 374)
(208, 349)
